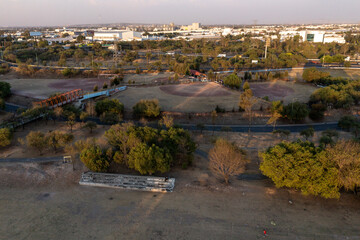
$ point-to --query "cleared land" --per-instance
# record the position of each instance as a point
(280, 90)
(43, 88)
(203, 97)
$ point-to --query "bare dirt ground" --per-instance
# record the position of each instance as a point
(42, 201)
(43, 88)
(281, 90)
(196, 90)
(347, 73)
(148, 78)
(204, 97)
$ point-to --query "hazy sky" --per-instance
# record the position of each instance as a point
(67, 12)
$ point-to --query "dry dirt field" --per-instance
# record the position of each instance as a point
(281, 90)
(347, 73)
(203, 97)
(44, 201)
(148, 78)
(43, 88)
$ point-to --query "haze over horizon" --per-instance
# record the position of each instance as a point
(66, 12)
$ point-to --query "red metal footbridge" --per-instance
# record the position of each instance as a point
(61, 99)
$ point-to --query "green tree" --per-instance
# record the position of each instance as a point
(346, 155)
(295, 111)
(247, 102)
(307, 133)
(5, 137)
(109, 106)
(233, 81)
(246, 86)
(90, 125)
(57, 139)
(36, 140)
(303, 166)
(94, 158)
(276, 110)
(5, 89)
(148, 160)
(147, 108)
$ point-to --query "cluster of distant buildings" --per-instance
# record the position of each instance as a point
(310, 33)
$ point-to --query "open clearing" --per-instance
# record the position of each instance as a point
(44, 201)
(203, 97)
(43, 88)
(285, 91)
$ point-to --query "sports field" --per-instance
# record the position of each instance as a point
(204, 97)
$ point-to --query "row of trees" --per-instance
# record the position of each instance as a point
(313, 170)
(144, 149)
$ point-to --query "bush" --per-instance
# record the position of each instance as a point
(147, 108)
(95, 158)
(5, 89)
(295, 111)
(233, 81)
(5, 137)
(219, 109)
(312, 74)
(317, 111)
(109, 106)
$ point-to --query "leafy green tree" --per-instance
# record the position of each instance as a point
(346, 155)
(95, 158)
(246, 86)
(148, 160)
(307, 133)
(5, 137)
(276, 110)
(303, 166)
(247, 102)
(295, 111)
(5, 89)
(90, 125)
(57, 139)
(36, 140)
(109, 106)
(147, 108)
(312, 74)
(233, 81)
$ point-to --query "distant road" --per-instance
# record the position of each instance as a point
(266, 128)
(31, 160)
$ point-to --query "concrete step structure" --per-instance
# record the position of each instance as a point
(143, 183)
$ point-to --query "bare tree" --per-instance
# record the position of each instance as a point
(226, 160)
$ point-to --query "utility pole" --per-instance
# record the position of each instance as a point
(267, 44)
(117, 53)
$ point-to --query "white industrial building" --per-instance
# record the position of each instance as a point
(117, 36)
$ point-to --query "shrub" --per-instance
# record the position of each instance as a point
(109, 106)
(147, 108)
(5, 89)
(5, 137)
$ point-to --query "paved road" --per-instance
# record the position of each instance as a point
(31, 160)
(266, 128)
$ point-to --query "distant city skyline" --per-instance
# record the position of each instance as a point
(66, 12)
